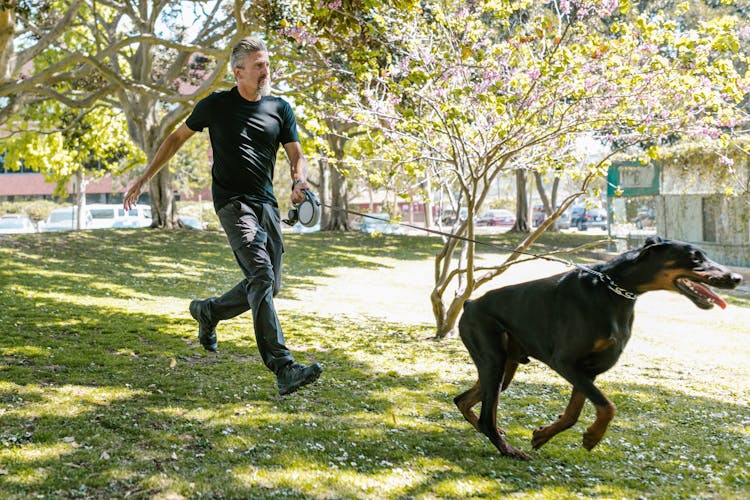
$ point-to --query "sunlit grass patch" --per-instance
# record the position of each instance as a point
(106, 393)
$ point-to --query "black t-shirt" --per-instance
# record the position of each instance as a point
(245, 137)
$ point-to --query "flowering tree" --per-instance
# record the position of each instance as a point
(323, 51)
(485, 88)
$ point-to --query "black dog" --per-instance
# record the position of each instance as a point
(577, 323)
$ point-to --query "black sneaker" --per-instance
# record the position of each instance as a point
(292, 376)
(206, 331)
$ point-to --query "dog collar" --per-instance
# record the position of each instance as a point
(622, 292)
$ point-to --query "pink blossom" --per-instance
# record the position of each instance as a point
(608, 7)
(726, 161)
(300, 35)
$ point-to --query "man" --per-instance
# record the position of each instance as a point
(246, 126)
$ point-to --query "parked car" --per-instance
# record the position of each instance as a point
(16, 224)
(138, 216)
(496, 217)
(64, 219)
(576, 211)
(593, 217)
(190, 222)
(538, 215)
(644, 218)
(448, 216)
(380, 223)
(104, 216)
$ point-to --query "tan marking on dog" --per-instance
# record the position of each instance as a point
(664, 280)
(601, 345)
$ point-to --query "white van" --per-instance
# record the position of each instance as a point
(138, 216)
(64, 219)
(104, 216)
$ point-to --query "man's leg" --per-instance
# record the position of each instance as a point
(251, 246)
(212, 310)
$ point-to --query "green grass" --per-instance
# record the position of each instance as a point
(105, 392)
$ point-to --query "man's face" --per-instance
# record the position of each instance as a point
(255, 73)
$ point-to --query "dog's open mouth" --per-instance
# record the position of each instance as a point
(701, 295)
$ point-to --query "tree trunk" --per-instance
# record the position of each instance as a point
(522, 204)
(428, 221)
(80, 199)
(339, 199)
(7, 32)
(325, 213)
(162, 200)
(339, 220)
(547, 207)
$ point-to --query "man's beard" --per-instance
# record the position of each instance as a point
(264, 89)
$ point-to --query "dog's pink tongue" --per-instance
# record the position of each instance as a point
(706, 292)
(719, 301)
(713, 297)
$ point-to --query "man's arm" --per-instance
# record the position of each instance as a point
(166, 151)
(298, 170)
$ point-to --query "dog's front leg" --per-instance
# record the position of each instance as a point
(604, 415)
(605, 409)
(564, 421)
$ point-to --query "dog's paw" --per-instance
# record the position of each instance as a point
(540, 437)
(591, 439)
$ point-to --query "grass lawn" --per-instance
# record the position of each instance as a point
(106, 393)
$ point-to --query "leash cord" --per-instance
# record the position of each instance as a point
(604, 277)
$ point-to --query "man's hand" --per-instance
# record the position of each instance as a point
(131, 197)
(298, 191)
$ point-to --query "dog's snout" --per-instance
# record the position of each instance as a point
(736, 278)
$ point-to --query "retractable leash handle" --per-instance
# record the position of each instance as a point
(306, 212)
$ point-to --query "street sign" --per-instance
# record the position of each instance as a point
(632, 178)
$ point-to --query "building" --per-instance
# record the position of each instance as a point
(27, 186)
(696, 200)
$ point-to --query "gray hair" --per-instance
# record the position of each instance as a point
(243, 48)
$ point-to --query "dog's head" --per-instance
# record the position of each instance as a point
(686, 269)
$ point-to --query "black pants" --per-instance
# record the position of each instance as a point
(254, 234)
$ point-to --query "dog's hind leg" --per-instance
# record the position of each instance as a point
(466, 401)
(564, 421)
(508, 373)
(490, 378)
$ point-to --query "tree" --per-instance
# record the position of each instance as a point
(27, 29)
(78, 147)
(503, 87)
(324, 52)
(152, 60)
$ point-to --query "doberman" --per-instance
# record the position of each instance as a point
(578, 323)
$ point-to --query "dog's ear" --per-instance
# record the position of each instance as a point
(651, 243)
(652, 240)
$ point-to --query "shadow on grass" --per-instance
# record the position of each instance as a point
(96, 411)
(102, 401)
(128, 263)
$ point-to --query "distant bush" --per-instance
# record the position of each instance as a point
(36, 210)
